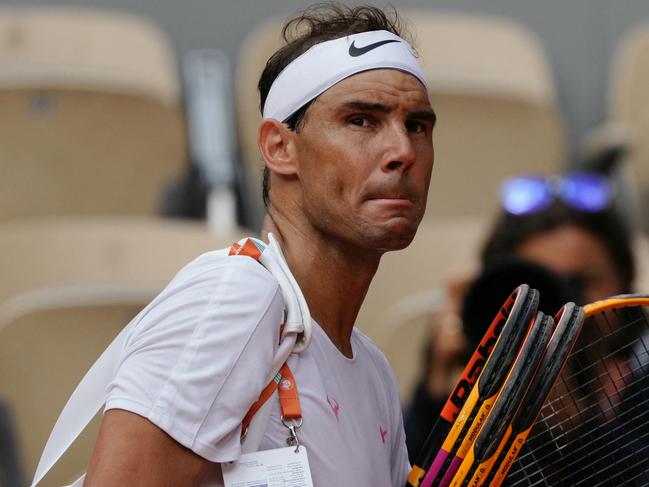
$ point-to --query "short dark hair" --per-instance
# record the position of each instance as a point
(319, 23)
(607, 226)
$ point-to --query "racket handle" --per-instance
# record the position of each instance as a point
(432, 445)
(463, 470)
(415, 476)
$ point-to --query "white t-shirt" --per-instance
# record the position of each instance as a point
(197, 357)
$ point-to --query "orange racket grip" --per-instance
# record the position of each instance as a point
(416, 475)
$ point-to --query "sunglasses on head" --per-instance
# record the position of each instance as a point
(586, 192)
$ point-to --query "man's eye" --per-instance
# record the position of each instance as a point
(415, 126)
(360, 120)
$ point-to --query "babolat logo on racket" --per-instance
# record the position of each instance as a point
(464, 385)
(475, 366)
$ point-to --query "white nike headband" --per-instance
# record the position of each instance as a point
(327, 63)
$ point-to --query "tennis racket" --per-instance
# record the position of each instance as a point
(475, 465)
(517, 407)
(520, 302)
(593, 429)
(483, 394)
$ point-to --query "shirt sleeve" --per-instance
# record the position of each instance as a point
(198, 356)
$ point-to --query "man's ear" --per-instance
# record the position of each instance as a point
(277, 145)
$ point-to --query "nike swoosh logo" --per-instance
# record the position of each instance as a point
(359, 51)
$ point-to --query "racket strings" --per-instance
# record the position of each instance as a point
(624, 478)
(589, 412)
(611, 470)
(566, 411)
(594, 427)
(572, 458)
(574, 446)
(605, 441)
(592, 440)
(633, 458)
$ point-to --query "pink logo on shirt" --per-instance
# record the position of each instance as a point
(383, 432)
(335, 407)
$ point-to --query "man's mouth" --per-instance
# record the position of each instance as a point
(395, 201)
(392, 195)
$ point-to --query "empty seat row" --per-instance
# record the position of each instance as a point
(93, 123)
(93, 120)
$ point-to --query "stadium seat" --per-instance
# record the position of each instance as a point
(492, 88)
(91, 119)
(37, 253)
(258, 46)
(641, 251)
(624, 132)
(48, 340)
(403, 334)
(67, 285)
(628, 101)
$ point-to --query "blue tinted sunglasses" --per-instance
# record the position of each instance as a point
(587, 192)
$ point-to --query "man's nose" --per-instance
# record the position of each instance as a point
(400, 154)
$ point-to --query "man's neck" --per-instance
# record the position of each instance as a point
(333, 276)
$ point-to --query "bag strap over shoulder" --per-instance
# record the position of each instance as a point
(290, 405)
(89, 396)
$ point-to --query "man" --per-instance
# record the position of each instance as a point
(347, 142)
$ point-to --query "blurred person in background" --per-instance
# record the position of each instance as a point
(559, 234)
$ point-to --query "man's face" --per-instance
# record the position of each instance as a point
(365, 156)
(576, 254)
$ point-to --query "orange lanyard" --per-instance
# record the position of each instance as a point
(284, 381)
(289, 400)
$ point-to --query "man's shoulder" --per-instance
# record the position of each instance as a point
(219, 265)
(216, 282)
(213, 293)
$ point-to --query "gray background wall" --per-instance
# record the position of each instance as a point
(579, 35)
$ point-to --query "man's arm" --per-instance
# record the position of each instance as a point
(132, 451)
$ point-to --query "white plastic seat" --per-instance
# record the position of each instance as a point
(38, 253)
(48, 340)
(91, 120)
(67, 286)
(627, 121)
(492, 88)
